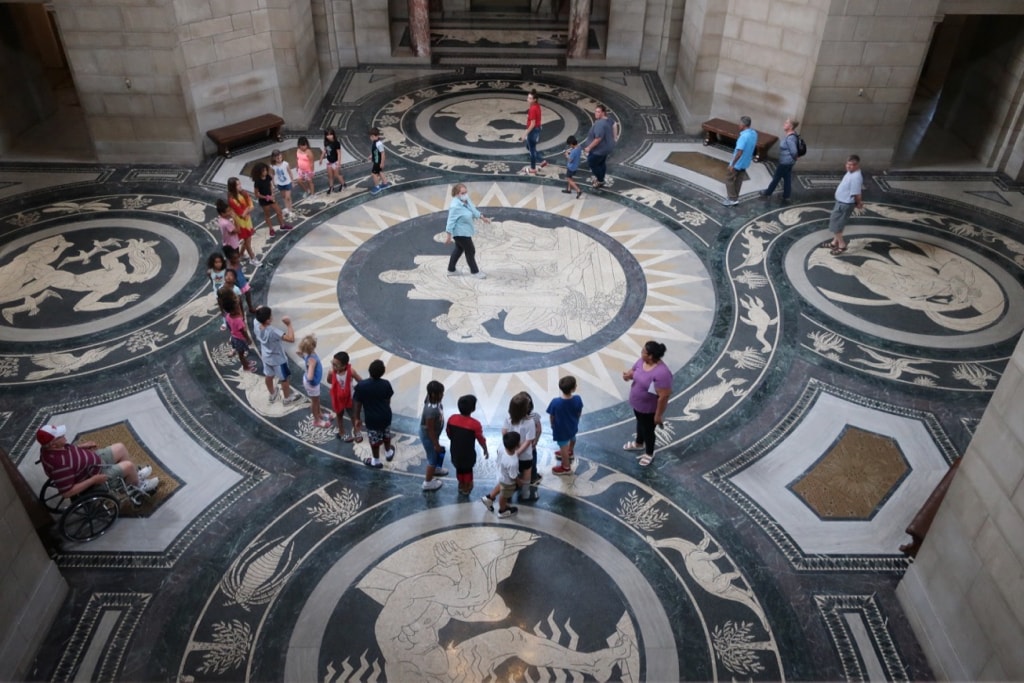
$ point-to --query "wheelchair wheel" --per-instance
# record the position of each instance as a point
(51, 498)
(89, 517)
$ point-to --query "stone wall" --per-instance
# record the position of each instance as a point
(747, 57)
(33, 589)
(126, 65)
(964, 595)
(867, 70)
(161, 74)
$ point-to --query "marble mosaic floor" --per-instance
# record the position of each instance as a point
(817, 400)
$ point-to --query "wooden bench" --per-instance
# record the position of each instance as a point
(256, 128)
(717, 130)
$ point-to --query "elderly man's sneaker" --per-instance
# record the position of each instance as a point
(144, 472)
(149, 485)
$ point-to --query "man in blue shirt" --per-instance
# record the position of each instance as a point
(741, 159)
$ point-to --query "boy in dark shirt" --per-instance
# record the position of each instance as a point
(374, 394)
(463, 431)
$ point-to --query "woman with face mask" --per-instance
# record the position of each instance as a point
(461, 214)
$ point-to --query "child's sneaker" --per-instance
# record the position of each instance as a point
(272, 233)
(375, 189)
(384, 185)
(561, 471)
(488, 503)
(508, 512)
(255, 261)
(432, 485)
(287, 226)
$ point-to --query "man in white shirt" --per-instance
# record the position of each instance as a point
(848, 201)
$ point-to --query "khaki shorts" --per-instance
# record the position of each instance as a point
(109, 467)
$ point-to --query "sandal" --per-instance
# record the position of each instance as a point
(831, 244)
(646, 460)
(836, 251)
(369, 463)
(632, 446)
(359, 439)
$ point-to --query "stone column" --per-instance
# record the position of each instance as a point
(419, 27)
(963, 594)
(579, 28)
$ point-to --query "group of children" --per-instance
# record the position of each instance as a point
(235, 214)
(368, 403)
(517, 466)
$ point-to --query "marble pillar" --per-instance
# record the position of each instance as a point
(419, 27)
(579, 28)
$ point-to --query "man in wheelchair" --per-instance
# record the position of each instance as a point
(77, 468)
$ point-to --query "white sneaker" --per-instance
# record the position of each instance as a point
(432, 485)
(440, 472)
(149, 485)
(255, 261)
(292, 398)
(479, 276)
(389, 454)
(274, 396)
(144, 472)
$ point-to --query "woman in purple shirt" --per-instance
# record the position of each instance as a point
(648, 396)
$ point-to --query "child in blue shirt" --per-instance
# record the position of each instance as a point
(565, 412)
(572, 164)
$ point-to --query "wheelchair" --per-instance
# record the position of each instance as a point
(88, 515)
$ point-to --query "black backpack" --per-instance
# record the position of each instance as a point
(801, 146)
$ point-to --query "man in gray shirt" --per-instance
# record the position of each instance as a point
(599, 144)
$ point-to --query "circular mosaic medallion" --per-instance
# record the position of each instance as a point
(489, 124)
(909, 286)
(572, 287)
(479, 124)
(556, 290)
(84, 276)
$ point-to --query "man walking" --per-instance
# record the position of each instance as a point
(848, 201)
(599, 144)
(741, 159)
(788, 154)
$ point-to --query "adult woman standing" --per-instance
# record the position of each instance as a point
(648, 396)
(532, 134)
(461, 214)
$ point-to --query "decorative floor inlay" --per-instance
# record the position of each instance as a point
(823, 395)
(760, 478)
(854, 477)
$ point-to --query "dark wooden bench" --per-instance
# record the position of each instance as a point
(256, 128)
(717, 130)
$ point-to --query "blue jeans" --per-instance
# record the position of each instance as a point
(434, 459)
(783, 172)
(532, 138)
